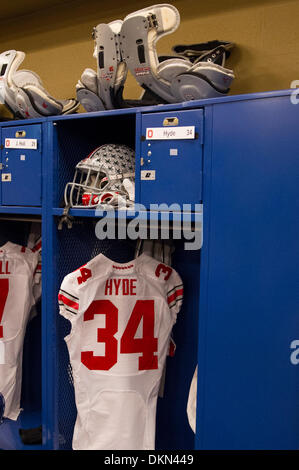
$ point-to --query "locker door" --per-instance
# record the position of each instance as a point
(171, 157)
(248, 332)
(21, 165)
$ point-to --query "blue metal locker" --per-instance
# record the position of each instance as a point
(242, 287)
(249, 294)
(171, 158)
(21, 183)
(246, 172)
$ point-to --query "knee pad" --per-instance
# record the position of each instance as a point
(23, 93)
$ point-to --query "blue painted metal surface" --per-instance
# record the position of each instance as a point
(174, 107)
(49, 349)
(172, 430)
(20, 210)
(176, 164)
(21, 173)
(248, 397)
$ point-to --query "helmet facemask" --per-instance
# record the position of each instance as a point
(98, 179)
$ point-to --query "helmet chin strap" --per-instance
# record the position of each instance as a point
(23, 93)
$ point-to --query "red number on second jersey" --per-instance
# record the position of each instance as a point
(4, 288)
(85, 274)
(164, 269)
(148, 344)
(105, 335)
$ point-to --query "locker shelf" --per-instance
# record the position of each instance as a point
(20, 210)
(80, 212)
(142, 215)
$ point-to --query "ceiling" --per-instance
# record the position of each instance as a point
(17, 8)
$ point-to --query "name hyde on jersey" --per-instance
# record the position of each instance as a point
(120, 287)
(112, 286)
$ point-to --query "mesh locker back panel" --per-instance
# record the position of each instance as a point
(75, 248)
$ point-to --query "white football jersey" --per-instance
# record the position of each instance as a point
(17, 277)
(192, 399)
(122, 316)
(35, 244)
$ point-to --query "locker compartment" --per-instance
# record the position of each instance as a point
(74, 247)
(21, 153)
(171, 153)
(75, 139)
(31, 387)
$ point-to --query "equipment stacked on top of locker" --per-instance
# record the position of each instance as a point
(196, 71)
(23, 93)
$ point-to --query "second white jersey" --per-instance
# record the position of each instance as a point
(122, 316)
(17, 277)
(192, 400)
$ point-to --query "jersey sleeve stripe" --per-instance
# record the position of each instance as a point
(176, 295)
(68, 302)
(64, 292)
(68, 309)
(176, 302)
(179, 286)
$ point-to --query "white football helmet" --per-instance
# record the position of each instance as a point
(105, 178)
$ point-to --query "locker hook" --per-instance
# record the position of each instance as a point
(66, 218)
